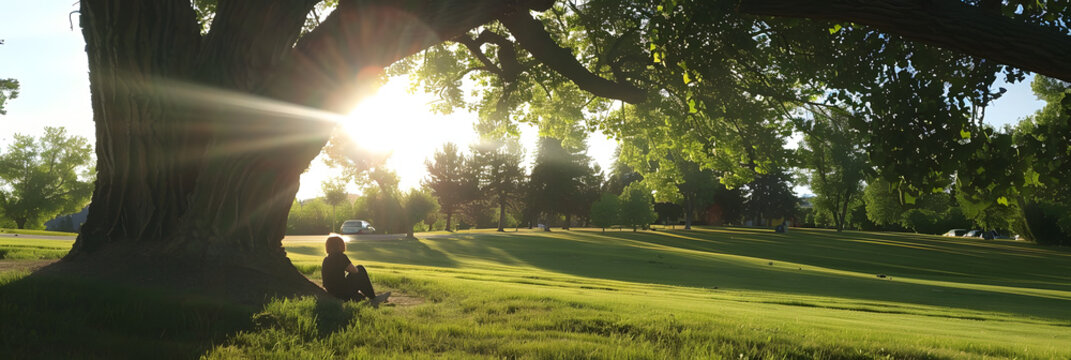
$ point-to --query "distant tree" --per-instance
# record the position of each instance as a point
(669, 211)
(501, 176)
(770, 196)
(637, 206)
(451, 181)
(557, 184)
(605, 211)
(383, 208)
(357, 163)
(419, 205)
(621, 174)
(334, 195)
(43, 177)
(9, 89)
(882, 203)
(834, 156)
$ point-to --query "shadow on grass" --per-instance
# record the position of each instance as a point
(50, 317)
(60, 318)
(410, 251)
(698, 259)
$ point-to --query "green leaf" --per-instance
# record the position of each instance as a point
(691, 106)
(835, 29)
(908, 199)
(1002, 200)
(965, 134)
(657, 57)
(686, 78)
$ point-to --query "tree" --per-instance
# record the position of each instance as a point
(605, 211)
(556, 186)
(500, 175)
(451, 180)
(770, 197)
(637, 206)
(9, 89)
(44, 177)
(834, 155)
(419, 205)
(334, 195)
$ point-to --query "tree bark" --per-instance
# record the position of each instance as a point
(688, 209)
(449, 215)
(20, 223)
(568, 221)
(949, 24)
(501, 213)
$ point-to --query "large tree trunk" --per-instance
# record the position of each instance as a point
(20, 223)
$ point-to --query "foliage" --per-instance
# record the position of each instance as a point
(637, 206)
(419, 207)
(43, 177)
(334, 195)
(317, 217)
(500, 174)
(384, 209)
(837, 163)
(562, 181)
(452, 180)
(605, 212)
(9, 89)
(770, 197)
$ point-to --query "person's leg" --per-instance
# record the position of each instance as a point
(361, 282)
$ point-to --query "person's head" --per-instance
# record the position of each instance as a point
(335, 244)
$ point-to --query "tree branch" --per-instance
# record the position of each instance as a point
(950, 24)
(474, 48)
(361, 37)
(531, 35)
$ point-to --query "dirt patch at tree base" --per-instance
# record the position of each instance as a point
(24, 265)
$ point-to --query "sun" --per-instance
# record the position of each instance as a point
(400, 123)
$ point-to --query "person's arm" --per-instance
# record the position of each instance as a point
(351, 269)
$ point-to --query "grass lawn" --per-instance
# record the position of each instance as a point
(36, 232)
(707, 293)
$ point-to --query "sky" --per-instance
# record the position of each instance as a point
(48, 58)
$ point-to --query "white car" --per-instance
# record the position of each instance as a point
(973, 234)
(351, 227)
(955, 232)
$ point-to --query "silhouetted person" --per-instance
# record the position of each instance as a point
(342, 279)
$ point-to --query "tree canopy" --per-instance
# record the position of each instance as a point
(44, 177)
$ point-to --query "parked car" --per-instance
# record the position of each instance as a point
(956, 232)
(973, 233)
(351, 227)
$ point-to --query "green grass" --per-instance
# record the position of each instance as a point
(707, 293)
(36, 232)
(29, 248)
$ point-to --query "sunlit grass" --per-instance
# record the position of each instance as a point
(707, 293)
(36, 232)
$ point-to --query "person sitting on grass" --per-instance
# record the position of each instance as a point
(342, 279)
